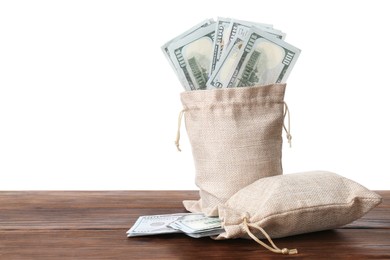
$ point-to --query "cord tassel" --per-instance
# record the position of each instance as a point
(274, 248)
(177, 141)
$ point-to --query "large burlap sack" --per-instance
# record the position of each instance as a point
(293, 204)
(236, 139)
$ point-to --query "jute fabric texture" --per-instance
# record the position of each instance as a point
(236, 139)
(293, 204)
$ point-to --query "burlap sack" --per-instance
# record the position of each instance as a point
(294, 204)
(236, 139)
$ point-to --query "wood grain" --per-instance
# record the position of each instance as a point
(92, 225)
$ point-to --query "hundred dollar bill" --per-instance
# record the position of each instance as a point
(236, 25)
(191, 57)
(244, 30)
(153, 225)
(197, 223)
(164, 48)
(227, 61)
(226, 30)
(192, 224)
(262, 60)
(221, 39)
(241, 30)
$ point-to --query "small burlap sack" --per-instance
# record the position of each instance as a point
(236, 139)
(293, 204)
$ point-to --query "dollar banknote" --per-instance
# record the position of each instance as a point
(197, 223)
(191, 56)
(154, 225)
(243, 29)
(221, 39)
(236, 25)
(259, 59)
(227, 62)
(228, 29)
(191, 224)
(164, 48)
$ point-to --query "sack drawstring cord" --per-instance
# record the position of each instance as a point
(274, 248)
(286, 112)
(177, 141)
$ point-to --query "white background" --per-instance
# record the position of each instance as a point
(88, 101)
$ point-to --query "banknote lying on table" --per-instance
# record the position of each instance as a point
(193, 225)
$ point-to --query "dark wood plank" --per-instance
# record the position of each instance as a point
(111, 244)
(116, 209)
(92, 225)
(376, 218)
(85, 209)
(94, 199)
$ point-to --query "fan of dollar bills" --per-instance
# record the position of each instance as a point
(230, 53)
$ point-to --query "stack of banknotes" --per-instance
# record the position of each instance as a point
(193, 225)
(230, 53)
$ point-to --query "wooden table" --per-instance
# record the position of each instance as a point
(92, 225)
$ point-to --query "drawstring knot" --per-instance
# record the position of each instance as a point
(274, 248)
